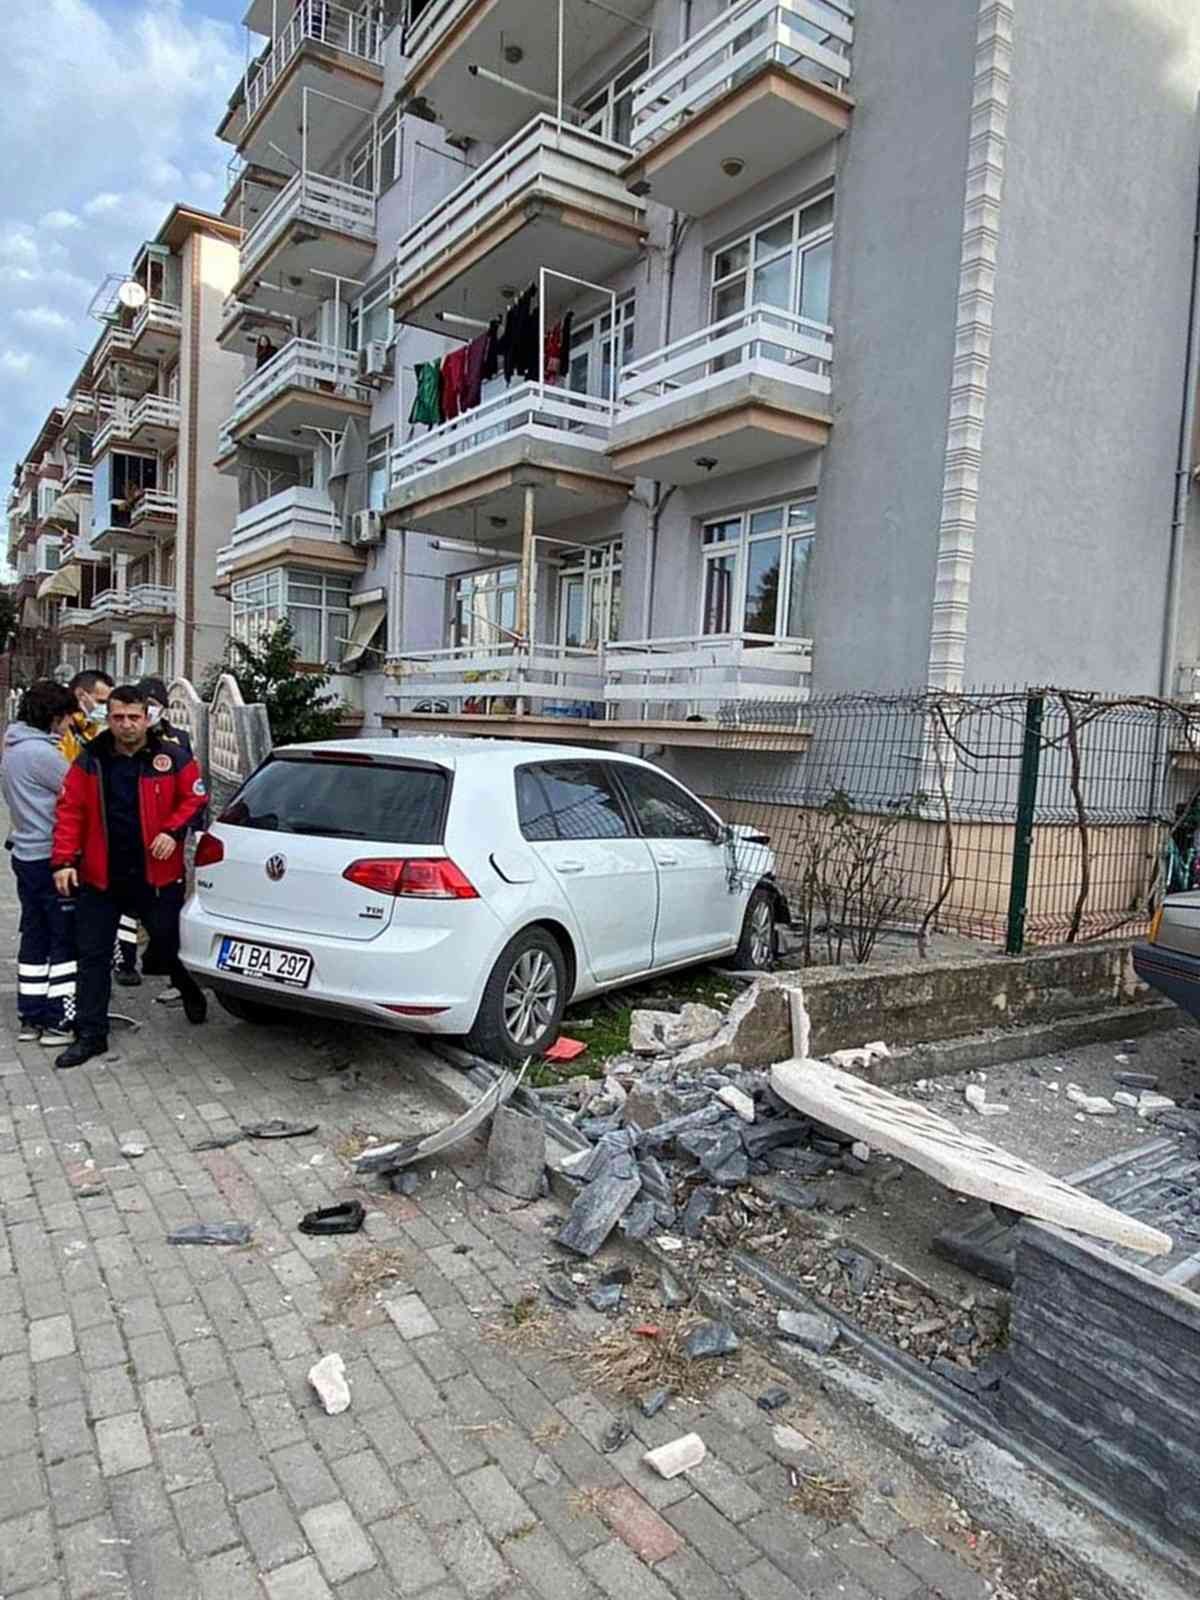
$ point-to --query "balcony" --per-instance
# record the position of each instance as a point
(451, 37)
(243, 323)
(746, 391)
(761, 88)
(547, 196)
(533, 436)
(140, 609)
(82, 623)
(314, 222)
(501, 680)
(298, 527)
(157, 330)
(133, 527)
(151, 424)
(115, 350)
(304, 386)
(77, 476)
(325, 47)
(735, 682)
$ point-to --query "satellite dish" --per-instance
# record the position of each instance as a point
(131, 295)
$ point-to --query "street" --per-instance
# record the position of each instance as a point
(160, 1436)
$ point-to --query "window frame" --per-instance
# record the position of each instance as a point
(600, 106)
(593, 335)
(454, 582)
(799, 245)
(792, 530)
(536, 769)
(624, 770)
(368, 303)
(260, 601)
(365, 160)
(379, 450)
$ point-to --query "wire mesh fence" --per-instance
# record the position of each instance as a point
(1014, 816)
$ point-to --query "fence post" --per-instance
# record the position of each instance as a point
(1027, 790)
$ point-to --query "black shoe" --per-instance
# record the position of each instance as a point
(79, 1052)
(195, 1006)
(128, 977)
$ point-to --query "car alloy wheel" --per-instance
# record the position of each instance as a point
(762, 933)
(530, 997)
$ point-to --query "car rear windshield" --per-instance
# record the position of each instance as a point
(353, 799)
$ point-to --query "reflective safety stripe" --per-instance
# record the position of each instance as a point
(60, 991)
(64, 969)
(125, 937)
(25, 969)
(27, 986)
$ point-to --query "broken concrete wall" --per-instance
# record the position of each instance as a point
(921, 1002)
(1105, 1373)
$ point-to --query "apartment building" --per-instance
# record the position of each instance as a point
(130, 512)
(41, 525)
(619, 370)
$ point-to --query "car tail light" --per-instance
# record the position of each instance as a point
(414, 878)
(209, 850)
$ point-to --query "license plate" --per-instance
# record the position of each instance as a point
(292, 967)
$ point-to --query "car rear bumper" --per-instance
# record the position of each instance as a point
(351, 979)
(1171, 972)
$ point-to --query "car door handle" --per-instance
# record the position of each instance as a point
(666, 861)
(570, 866)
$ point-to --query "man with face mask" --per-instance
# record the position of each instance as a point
(91, 689)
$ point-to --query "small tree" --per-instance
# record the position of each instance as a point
(268, 673)
(8, 618)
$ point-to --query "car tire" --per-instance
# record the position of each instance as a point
(510, 1026)
(250, 1010)
(756, 947)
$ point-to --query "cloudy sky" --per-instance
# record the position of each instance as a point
(106, 120)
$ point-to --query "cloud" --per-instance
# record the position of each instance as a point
(102, 133)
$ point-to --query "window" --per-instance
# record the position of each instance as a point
(371, 316)
(378, 452)
(577, 800)
(353, 799)
(375, 165)
(483, 606)
(49, 555)
(316, 604)
(663, 810)
(609, 112)
(48, 493)
(173, 383)
(784, 263)
(756, 569)
(591, 368)
(168, 567)
(589, 597)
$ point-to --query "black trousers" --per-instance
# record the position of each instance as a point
(97, 918)
(46, 954)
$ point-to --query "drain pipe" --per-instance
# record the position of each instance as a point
(1183, 471)
(659, 499)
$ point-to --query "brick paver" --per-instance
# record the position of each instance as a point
(158, 1435)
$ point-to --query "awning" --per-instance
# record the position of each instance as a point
(67, 582)
(68, 508)
(348, 472)
(366, 623)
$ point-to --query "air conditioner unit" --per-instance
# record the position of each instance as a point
(367, 527)
(375, 359)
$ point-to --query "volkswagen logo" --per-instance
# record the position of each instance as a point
(276, 867)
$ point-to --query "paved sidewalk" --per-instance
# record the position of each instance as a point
(159, 1436)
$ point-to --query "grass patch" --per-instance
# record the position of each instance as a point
(631, 1365)
(364, 1274)
(827, 1499)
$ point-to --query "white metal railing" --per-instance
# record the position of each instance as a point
(154, 503)
(568, 163)
(76, 617)
(155, 411)
(538, 410)
(315, 22)
(433, 22)
(114, 341)
(684, 675)
(160, 315)
(78, 474)
(301, 364)
(128, 416)
(812, 38)
(322, 202)
(142, 597)
(763, 340)
(566, 680)
(295, 513)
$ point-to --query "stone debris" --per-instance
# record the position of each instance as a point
(516, 1154)
(654, 1403)
(681, 1455)
(132, 1149)
(811, 1329)
(656, 1033)
(976, 1097)
(1092, 1105)
(710, 1339)
(737, 1101)
(773, 1398)
(860, 1151)
(328, 1378)
(1149, 1103)
(1123, 1097)
(1136, 1080)
(756, 1030)
(789, 1440)
(596, 1212)
(671, 1292)
(866, 1057)
(605, 1297)
(560, 1289)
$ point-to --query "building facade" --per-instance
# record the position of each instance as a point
(130, 513)
(627, 371)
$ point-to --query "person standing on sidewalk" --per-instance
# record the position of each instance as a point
(32, 774)
(118, 843)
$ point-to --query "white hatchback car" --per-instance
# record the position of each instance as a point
(465, 886)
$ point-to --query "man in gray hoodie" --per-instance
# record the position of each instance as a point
(31, 773)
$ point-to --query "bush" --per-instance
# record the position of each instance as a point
(268, 673)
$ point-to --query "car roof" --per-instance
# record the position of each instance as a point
(450, 751)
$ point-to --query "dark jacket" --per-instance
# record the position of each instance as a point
(171, 793)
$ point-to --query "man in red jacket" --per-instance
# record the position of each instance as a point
(122, 819)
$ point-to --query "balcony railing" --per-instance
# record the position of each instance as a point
(114, 342)
(536, 410)
(567, 162)
(155, 504)
(764, 340)
(321, 202)
(705, 675)
(301, 364)
(76, 617)
(142, 598)
(295, 513)
(811, 38)
(483, 679)
(128, 417)
(315, 22)
(160, 317)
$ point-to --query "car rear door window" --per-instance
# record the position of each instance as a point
(357, 798)
(663, 810)
(569, 800)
